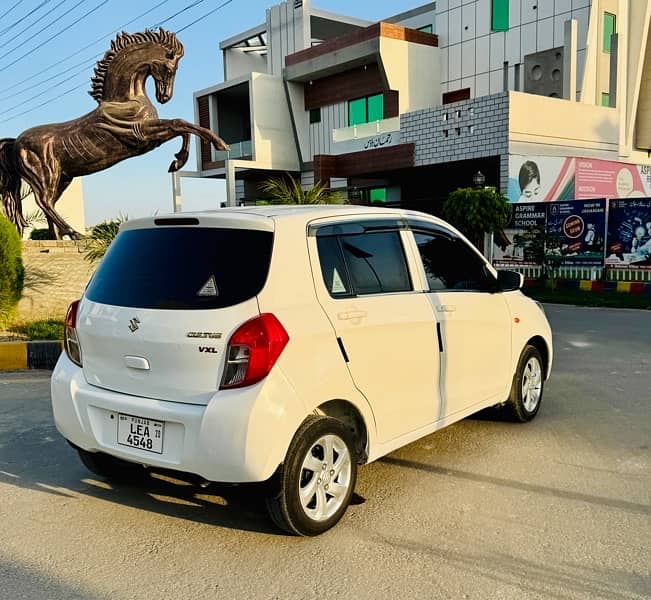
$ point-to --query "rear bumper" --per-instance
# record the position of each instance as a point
(240, 436)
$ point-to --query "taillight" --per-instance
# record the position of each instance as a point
(70, 339)
(253, 350)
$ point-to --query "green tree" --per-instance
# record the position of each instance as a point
(100, 238)
(12, 273)
(288, 190)
(477, 211)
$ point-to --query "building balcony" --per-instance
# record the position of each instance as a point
(366, 136)
(365, 130)
(238, 150)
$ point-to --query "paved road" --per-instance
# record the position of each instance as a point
(558, 508)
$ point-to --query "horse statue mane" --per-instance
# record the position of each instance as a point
(124, 124)
(122, 41)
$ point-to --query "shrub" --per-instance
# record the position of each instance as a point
(476, 211)
(41, 234)
(46, 329)
(100, 238)
(11, 270)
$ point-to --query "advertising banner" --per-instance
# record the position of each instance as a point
(523, 240)
(576, 232)
(549, 178)
(629, 234)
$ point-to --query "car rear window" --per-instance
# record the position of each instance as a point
(182, 268)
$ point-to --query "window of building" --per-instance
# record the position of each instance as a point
(377, 195)
(315, 115)
(426, 29)
(605, 99)
(610, 27)
(450, 264)
(500, 15)
(368, 263)
(366, 110)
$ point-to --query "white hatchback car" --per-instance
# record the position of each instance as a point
(290, 345)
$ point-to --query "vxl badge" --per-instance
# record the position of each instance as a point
(134, 324)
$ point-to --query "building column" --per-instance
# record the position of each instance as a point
(569, 59)
(231, 196)
(176, 193)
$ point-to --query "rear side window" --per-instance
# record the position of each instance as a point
(182, 268)
(368, 263)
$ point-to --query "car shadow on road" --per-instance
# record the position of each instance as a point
(633, 507)
(39, 459)
(23, 581)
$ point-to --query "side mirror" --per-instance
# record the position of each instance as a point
(509, 280)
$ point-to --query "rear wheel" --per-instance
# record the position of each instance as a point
(317, 479)
(527, 387)
(110, 467)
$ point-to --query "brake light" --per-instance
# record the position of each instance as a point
(70, 339)
(253, 350)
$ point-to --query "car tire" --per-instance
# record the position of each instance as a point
(320, 461)
(527, 387)
(111, 467)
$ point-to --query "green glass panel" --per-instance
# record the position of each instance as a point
(375, 108)
(426, 29)
(357, 111)
(605, 99)
(610, 24)
(378, 195)
(500, 15)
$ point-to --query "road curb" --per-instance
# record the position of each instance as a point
(29, 355)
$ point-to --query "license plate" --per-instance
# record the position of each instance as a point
(141, 433)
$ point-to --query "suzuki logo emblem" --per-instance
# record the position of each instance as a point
(134, 324)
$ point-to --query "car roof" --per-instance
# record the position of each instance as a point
(263, 217)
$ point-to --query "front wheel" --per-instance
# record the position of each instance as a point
(317, 479)
(527, 387)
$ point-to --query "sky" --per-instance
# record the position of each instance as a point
(48, 50)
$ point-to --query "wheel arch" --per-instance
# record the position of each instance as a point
(351, 416)
(539, 343)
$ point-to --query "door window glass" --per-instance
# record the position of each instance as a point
(376, 262)
(367, 263)
(450, 264)
(333, 269)
(610, 21)
(357, 111)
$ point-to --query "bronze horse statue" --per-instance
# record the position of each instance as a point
(124, 124)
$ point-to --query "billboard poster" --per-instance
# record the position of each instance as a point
(540, 178)
(603, 178)
(576, 232)
(549, 179)
(629, 234)
(523, 238)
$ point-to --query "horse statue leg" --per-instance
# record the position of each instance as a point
(162, 130)
(181, 156)
(47, 183)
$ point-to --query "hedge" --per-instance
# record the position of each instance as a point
(12, 272)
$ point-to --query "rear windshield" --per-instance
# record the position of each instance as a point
(182, 268)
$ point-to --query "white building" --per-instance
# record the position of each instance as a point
(408, 109)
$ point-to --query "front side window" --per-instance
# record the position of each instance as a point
(368, 263)
(366, 110)
(450, 264)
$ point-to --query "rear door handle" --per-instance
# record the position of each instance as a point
(446, 308)
(353, 314)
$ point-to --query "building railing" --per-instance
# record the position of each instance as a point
(238, 150)
(364, 130)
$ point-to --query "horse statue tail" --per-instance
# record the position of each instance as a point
(10, 183)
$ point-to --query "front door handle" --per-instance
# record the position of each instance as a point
(446, 308)
(353, 314)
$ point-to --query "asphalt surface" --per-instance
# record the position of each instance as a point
(558, 508)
